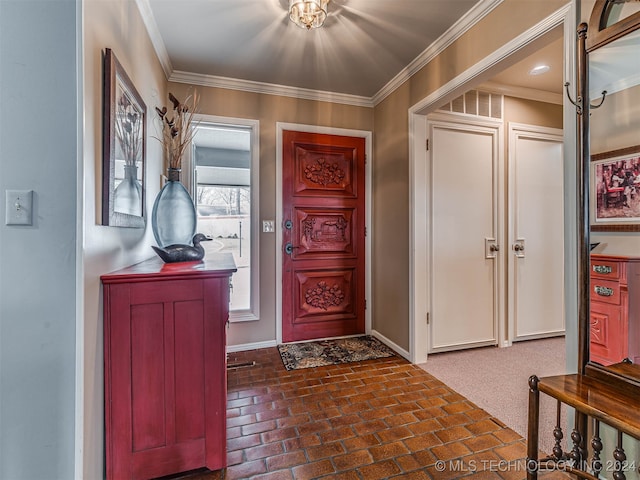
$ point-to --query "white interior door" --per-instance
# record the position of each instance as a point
(464, 224)
(536, 238)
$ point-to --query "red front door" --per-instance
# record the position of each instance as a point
(323, 271)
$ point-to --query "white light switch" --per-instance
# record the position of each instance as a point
(268, 226)
(19, 207)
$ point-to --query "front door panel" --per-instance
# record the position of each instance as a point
(323, 212)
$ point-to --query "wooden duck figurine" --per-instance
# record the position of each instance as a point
(182, 253)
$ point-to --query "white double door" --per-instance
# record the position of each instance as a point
(496, 258)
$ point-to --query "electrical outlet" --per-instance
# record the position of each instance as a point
(19, 207)
(268, 226)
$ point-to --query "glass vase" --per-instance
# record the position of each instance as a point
(173, 219)
(127, 196)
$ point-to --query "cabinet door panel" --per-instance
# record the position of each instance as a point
(189, 370)
(606, 339)
(147, 379)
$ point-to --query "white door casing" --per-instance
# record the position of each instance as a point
(465, 211)
(536, 232)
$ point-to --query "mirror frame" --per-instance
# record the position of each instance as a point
(115, 79)
(599, 36)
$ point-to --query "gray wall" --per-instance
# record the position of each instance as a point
(38, 151)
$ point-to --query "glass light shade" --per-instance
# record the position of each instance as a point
(308, 14)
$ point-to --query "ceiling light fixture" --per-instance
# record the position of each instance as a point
(539, 70)
(308, 14)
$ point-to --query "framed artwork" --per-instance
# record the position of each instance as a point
(615, 191)
(124, 148)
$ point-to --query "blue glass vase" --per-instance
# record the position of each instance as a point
(127, 197)
(173, 219)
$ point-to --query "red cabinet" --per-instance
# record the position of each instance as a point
(615, 309)
(165, 367)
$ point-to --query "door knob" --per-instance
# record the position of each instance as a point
(491, 248)
(288, 248)
(288, 224)
(518, 247)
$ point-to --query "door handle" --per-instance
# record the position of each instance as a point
(518, 248)
(491, 248)
(288, 224)
(288, 248)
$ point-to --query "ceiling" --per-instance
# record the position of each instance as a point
(363, 46)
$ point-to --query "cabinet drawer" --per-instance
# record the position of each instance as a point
(605, 291)
(605, 269)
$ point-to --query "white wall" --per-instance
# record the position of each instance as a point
(38, 151)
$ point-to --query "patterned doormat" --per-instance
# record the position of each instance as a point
(332, 352)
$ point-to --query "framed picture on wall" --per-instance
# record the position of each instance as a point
(615, 190)
(124, 148)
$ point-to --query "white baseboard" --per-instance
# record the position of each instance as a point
(393, 346)
(251, 346)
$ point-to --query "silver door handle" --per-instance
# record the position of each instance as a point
(491, 248)
(518, 248)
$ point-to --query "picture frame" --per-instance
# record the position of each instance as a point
(615, 190)
(124, 148)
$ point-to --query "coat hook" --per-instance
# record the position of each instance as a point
(578, 102)
(604, 94)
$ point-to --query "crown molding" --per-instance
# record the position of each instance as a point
(155, 37)
(452, 87)
(473, 16)
(268, 88)
(522, 92)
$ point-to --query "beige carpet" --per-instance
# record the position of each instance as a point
(496, 379)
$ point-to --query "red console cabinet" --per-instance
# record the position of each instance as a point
(165, 367)
(615, 309)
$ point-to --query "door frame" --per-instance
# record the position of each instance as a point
(516, 131)
(567, 16)
(368, 136)
(489, 126)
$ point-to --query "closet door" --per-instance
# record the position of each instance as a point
(464, 229)
(536, 232)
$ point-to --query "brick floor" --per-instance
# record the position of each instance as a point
(377, 419)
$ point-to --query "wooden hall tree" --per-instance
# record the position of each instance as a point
(604, 397)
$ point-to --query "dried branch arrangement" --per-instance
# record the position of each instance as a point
(128, 126)
(178, 128)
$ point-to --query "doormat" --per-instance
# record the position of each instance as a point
(332, 352)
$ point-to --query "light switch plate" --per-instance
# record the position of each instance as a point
(268, 226)
(19, 207)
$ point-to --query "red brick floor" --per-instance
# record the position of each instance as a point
(370, 420)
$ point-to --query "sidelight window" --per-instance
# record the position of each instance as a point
(225, 160)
